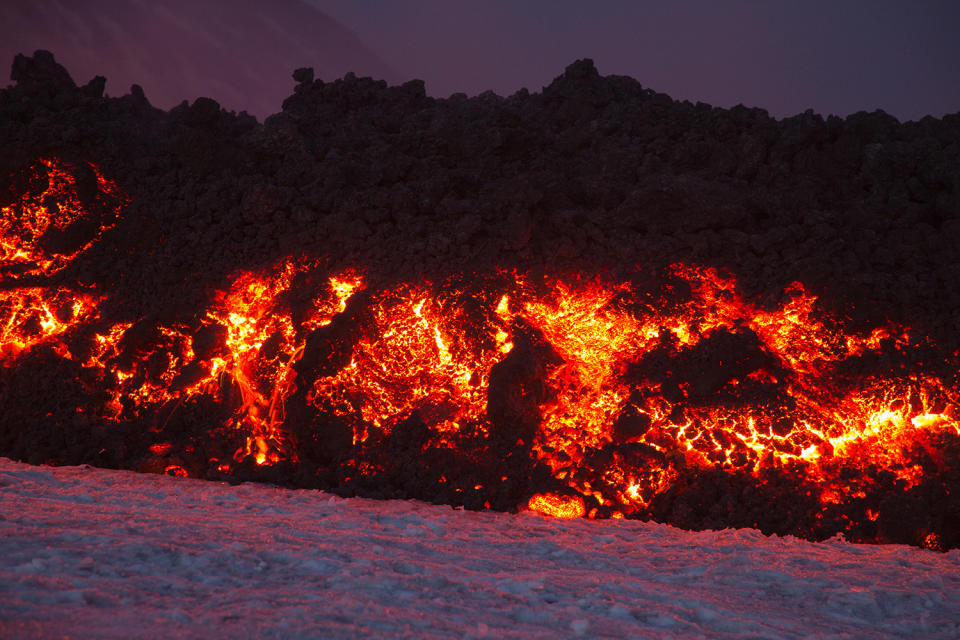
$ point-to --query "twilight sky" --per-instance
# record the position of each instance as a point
(835, 56)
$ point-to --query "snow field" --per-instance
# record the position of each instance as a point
(89, 553)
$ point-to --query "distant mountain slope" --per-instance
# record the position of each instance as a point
(240, 53)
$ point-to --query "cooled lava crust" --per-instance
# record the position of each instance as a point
(590, 301)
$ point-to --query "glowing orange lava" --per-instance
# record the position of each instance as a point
(417, 357)
(613, 389)
(43, 231)
(249, 339)
(557, 506)
(47, 227)
(599, 341)
(261, 343)
(31, 315)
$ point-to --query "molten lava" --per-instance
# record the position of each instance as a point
(61, 211)
(558, 506)
(616, 423)
(64, 210)
(416, 356)
(31, 315)
(575, 396)
(615, 385)
(244, 343)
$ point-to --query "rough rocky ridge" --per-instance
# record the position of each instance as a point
(592, 174)
(595, 170)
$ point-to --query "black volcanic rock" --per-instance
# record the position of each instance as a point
(518, 388)
(40, 73)
(593, 175)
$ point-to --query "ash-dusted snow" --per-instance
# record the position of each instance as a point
(88, 553)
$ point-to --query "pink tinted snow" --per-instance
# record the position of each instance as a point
(89, 553)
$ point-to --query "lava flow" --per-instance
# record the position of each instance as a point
(623, 395)
(238, 353)
(716, 381)
(61, 210)
(572, 396)
(31, 315)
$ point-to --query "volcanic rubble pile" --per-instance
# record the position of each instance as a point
(592, 175)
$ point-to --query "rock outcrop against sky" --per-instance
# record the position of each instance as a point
(238, 53)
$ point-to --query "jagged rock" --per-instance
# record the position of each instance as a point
(303, 75)
(518, 387)
(210, 341)
(94, 88)
(40, 73)
(593, 174)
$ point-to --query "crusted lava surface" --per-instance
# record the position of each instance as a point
(590, 301)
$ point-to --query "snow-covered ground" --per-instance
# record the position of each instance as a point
(88, 553)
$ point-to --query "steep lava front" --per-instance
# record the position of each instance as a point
(569, 394)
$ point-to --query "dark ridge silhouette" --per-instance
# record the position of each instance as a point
(239, 53)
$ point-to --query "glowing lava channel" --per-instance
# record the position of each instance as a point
(255, 342)
(618, 418)
(35, 314)
(26, 224)
(32, 315)
(828, 428)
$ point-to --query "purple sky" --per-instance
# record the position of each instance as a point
(835, 56)
(239, 52)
